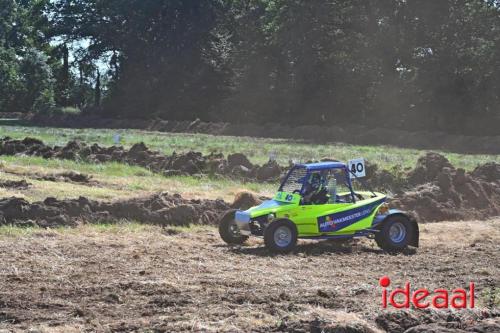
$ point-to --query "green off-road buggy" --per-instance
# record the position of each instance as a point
(317, 201)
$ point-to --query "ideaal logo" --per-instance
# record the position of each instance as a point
(423, 298)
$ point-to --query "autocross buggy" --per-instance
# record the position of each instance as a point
(317, 201)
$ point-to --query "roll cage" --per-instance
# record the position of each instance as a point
(297, 176)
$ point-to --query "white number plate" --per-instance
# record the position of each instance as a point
(357, 167)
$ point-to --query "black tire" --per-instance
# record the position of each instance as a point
(395, 234)
(228, 230)
(288, 236)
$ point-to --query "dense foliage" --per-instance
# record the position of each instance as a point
(26, 78)
(407, 63)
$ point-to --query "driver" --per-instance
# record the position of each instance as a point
(314, 190)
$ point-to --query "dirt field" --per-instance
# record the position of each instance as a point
(144, 278)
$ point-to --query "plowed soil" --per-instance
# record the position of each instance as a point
(190, 163)
(166, 280)
(433, 191)
(161, 208)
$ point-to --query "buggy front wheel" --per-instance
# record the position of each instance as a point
(280, 236)
(229, 231)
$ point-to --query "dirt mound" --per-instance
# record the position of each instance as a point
(161, 208)
(270, 170)
(76, 177)
(397, 180)
(244, 200)
(190, 163)
(442, 192)
(68, 177)
(427, 168)
(393, 181)
(15, 184)
(489, 172)
(234, 160)
(436, 191)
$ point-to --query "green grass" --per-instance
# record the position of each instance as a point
(115, 181)
(105, 169)
(16, 231)
(257, 149)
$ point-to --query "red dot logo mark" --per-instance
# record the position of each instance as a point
(384, 281)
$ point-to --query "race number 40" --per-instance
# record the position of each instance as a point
(357, 167)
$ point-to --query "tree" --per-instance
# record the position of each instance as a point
(408, 64)
(169, 52)
(25, 74)
(37, 80)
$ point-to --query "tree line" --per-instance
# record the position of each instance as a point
(413, 64)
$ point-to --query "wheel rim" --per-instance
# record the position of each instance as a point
(397, 232)
(233, 229)
(283, 236)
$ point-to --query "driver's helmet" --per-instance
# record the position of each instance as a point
(315, 181)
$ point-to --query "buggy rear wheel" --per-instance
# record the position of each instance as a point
(395, 234)
(228, 230)
(280, 236)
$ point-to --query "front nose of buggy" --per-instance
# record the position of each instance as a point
(242, 220)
